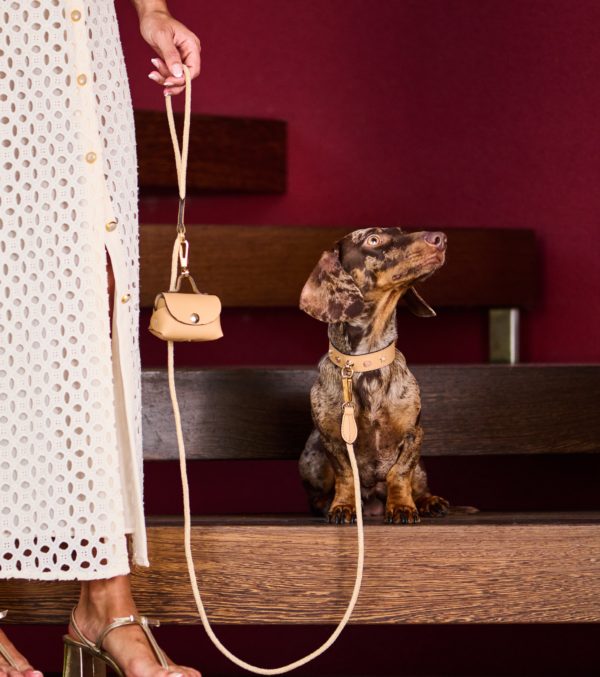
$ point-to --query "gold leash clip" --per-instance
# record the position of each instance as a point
(180, 216)
(347, 373)
(183, 257)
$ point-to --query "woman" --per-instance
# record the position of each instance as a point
(70, 388)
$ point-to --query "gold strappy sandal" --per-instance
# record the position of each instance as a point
(3, 650)
(85, 658)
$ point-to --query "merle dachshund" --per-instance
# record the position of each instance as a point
(355, 287)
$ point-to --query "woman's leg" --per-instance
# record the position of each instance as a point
(99, 602)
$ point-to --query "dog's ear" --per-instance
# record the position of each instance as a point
(416, 304)
(330, 294)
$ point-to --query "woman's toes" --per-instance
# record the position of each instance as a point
(180, 671)
(189, 672)
(15, 672)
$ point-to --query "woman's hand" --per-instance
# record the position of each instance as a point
(173, 42)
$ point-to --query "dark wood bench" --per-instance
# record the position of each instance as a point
(471, 567)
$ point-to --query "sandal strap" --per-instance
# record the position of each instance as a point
(3, 650)
(144, 622)
(78, 632)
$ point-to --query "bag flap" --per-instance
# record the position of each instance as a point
(183, 306)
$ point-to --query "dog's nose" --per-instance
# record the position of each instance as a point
(436, 239)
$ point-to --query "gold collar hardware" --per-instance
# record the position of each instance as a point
(349, 364)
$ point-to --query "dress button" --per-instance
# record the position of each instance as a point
(125, 298)
(75, 15)
(111, 225)
(81, 79)
(90, 157)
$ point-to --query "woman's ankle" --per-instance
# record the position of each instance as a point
(109, 595)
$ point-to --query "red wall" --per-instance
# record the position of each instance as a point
(430, 114)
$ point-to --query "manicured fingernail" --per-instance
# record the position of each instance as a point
(153, 76)
(177, 70)
(154, 62)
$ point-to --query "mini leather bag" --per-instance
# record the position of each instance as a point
(179, 316)
(186, 317)
(195, 316)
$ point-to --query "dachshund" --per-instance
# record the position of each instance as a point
(355, 288)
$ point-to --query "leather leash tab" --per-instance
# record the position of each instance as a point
(349, 429)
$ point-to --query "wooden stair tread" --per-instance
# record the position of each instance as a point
(457, 517)
(253, 413)
(227, 154)
(486, 267)
(494, 568)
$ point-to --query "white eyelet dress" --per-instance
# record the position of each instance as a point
(70, 393)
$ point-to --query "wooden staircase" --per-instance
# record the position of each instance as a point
(470, 567)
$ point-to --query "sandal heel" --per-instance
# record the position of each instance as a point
(79, 662)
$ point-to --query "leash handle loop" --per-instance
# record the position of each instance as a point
(181, 156)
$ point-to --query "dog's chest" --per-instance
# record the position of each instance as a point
(385, 416)
(380, 438)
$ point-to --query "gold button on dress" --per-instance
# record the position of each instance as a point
(70, 389)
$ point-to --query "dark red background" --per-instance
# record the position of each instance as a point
(423, 113)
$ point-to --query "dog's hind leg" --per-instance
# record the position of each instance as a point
(427, 504)
(317, 474)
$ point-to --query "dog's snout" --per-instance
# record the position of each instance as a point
(436, 239)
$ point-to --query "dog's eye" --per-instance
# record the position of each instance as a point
(373, 240)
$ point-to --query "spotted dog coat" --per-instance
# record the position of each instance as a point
(355, 288)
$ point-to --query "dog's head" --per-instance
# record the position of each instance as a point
(367, 263)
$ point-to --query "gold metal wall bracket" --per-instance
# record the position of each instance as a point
(504, 335)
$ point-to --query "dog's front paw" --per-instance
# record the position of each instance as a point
(341, 513)
(401, 514)
(432, 506)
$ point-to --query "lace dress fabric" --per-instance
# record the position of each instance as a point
(70, 388)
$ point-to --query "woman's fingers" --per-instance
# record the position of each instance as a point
(189, 49)
(165, 45)
(162, 75)
(176, 46)
(160, 66)
(170, 91)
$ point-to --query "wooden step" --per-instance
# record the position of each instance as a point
(227, 154)
(468, 409)
(262, 266)
(288, 569)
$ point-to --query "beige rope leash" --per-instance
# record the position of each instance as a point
(348, 428)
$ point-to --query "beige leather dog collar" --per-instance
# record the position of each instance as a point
(365, 361)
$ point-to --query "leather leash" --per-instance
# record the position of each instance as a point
(348, 423)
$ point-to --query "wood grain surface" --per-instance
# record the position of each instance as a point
(268, 265)
(501, 568)
(227, 154)
(467, 409)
